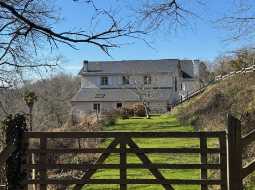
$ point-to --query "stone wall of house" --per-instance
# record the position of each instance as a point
(159, 107)
(115, 81)
(80, 109)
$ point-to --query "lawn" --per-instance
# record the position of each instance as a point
(156, 123)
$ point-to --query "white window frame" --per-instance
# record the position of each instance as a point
(96, 107)
(147, 79)
(104, 80)
(127, 79)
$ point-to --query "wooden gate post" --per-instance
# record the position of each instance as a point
(15, 172)
(234, 154)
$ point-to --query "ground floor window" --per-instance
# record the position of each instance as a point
(183, 86)
(119, 105)
(96, 108)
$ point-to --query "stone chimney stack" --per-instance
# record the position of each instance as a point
(85, 65)
(196, 66)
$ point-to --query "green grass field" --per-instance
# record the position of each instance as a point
(156, 123)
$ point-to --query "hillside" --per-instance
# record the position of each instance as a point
(208, 111)
(52, 108)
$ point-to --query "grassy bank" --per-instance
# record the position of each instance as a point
(209, 110)
(156, 123)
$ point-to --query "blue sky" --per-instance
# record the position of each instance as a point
(203, 39)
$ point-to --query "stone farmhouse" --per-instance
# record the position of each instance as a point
(109, 85)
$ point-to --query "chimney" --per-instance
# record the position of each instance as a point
(196, 67)
(85, 65)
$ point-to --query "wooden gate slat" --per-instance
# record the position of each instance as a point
(43, 162)
(203, 158)
(131, 166)
(128, 181)
(123, 165)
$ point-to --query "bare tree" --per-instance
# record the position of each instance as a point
(234, 61)
(53, 106)
(146, 91)
(26, 26)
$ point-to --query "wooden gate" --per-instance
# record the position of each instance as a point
(228, 160)
(124, 143)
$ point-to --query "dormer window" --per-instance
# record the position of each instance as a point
(104, 81)
(125, 80)
(147, 79)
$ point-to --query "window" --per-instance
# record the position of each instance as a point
(125, 80)
(119, 105)
(96, 108)
(175, 84)
(104, 81)
(148, 95)
(183, 86)
(99, 95)
(147, 79)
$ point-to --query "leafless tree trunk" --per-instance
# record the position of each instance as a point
(145, 91)
(147, 110)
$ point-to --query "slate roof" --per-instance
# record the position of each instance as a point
(186, 75)
(115, 95)
(132, 66)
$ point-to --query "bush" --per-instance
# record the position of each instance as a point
(88, 123)
(139, 110)
(110, 118)
(126, 113)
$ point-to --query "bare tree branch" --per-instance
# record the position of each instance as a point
(240, 23)
(170, 13)
(25, 30)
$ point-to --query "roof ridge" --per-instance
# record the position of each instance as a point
(134, 60)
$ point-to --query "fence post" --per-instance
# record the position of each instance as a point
(234, 154)
(223, 161)
(15, 172)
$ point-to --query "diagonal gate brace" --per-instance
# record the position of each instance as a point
(147, 161)
(100, 160)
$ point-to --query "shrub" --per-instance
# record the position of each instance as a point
(125, 113)
(110, 118)
(86, 124)
(139, 110)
